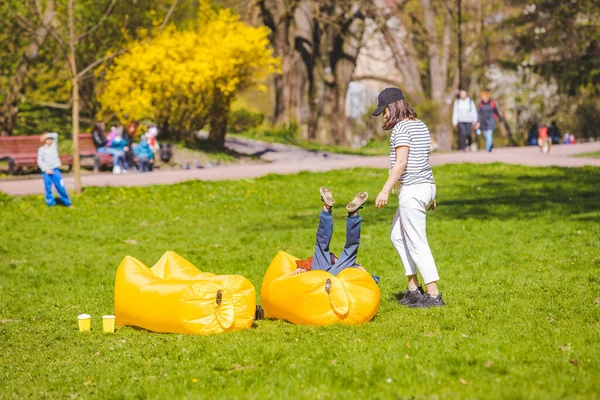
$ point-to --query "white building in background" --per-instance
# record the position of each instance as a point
(356, 100)
(375, 71)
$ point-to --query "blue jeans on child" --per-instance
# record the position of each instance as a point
(55, 179)
(118, 156)
(143, 164)
(322, 257)
(488, 134)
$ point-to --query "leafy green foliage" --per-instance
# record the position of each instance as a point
(243, 119)
(560, 40)
(517, 250)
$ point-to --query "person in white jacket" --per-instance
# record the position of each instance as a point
(464, 115)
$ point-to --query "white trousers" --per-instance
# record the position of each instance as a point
(409, 234)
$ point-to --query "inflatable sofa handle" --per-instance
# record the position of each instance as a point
(339, 301)
(224, 310)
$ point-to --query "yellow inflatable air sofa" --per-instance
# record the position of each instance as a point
(176, 297)
(318, 297)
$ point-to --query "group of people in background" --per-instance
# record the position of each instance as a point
(485, 117)
(545, 136)
(466, 116)
(126, 154)
(118, 142)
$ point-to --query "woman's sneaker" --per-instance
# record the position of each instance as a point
(327, 197)
(429, 301)
(357, 203)
(412, 297)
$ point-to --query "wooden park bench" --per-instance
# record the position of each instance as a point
(21, 151)
(87, 149)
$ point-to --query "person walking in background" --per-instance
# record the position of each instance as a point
(103, 146)
(143, 155)
(410, 143)
(464, 115)
(544, 141)
(488, 112)
(48, 161)
(554, 133)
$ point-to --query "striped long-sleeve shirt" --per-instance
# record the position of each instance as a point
(415, 135)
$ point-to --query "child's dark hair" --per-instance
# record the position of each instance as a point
(399, 110)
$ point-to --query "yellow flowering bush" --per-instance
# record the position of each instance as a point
(185, 79)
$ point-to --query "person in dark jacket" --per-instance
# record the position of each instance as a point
(488, 112)
(102, 146)
(554, 133)
(532, 135)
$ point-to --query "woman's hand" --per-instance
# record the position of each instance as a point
(381, 200)
(432, 206)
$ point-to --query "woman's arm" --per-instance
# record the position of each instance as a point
(397, 171)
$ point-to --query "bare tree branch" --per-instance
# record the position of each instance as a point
(93, 65)
(168, 16)
(102, 19)
(24, 24)
(35, 5)
(100, 61)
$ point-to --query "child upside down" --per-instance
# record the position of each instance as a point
(323, 259)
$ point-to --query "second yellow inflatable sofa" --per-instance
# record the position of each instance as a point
(318, 297)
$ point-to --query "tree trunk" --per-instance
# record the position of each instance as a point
(75, 146)
(75, 100)
(218, 121)
(437, 81)
(9, 110)
(339, 47)
(405, 58)
(442, 131)
(278, 16)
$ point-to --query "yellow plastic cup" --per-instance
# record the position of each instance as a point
(108, 323)
(85, 322)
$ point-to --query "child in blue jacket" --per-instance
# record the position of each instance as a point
(143, 155)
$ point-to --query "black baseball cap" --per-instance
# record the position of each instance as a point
(387, 97)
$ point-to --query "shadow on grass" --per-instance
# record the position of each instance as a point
(567, 193)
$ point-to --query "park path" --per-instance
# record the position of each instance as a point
(284, 159)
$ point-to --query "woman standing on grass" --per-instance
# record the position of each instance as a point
(410, 143)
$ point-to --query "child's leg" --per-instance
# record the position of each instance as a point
(348, 257)
(48, 189)
(322, 257)
(59, 183)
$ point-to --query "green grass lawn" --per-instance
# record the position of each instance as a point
(518, 250)
(372, 148)
(593, 154)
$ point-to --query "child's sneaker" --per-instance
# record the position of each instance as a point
(116, 170)
(259, 313)
(327, 197)
(358, 202)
